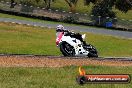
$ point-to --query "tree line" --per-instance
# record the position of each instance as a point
(122, 5)
(102, 8)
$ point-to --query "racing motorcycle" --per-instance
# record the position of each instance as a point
(71, 46)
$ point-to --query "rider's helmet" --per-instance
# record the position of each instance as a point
(60, 28)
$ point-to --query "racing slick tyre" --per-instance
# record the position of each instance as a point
(92, 54)
(67, 49)
(92, 51)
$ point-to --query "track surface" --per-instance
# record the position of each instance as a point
(59, 61)
(116, 33)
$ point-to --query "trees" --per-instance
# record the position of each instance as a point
(13, 3)
(25, 5)
(87, 2)
(123, 5)
(102, 12)
(72, 4)
(102, 9)
(32, 2)
(48, 3)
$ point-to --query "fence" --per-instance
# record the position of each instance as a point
(66, 16)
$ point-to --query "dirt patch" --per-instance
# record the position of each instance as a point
(44, 61)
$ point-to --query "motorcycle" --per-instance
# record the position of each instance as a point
(71, 46)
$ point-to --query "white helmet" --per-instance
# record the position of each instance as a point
(60, 27)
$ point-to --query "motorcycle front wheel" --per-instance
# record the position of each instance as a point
(67, 49)
(92, 51)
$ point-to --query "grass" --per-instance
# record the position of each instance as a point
(64, 77)
(127, 16)
(22, 39)
(110, 46)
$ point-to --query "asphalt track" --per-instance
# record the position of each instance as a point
(120, 34)
(59, 61)
(63, 57)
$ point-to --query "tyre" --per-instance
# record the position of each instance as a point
(92, 54)
(92, 51)
(67, 49)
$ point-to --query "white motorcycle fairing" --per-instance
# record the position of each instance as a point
(77, 44)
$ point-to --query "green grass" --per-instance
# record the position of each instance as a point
(127, 16)
(110, 46)
(17, 39)
(64, 77)
(22, 39)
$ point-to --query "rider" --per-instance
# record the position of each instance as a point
(60, 28)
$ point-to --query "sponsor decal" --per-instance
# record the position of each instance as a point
(101, 78)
